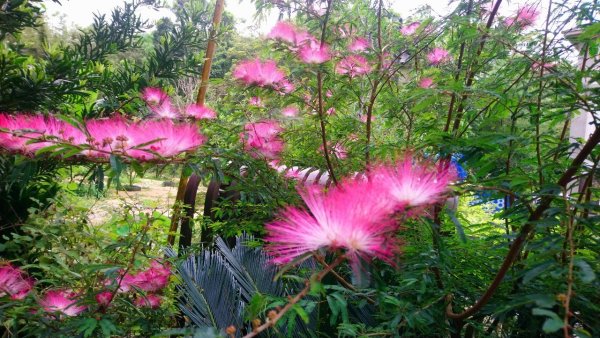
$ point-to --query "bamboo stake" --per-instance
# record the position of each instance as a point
(210, 51)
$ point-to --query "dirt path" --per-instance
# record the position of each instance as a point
(152, 197)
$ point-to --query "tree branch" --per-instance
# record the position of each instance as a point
(518, 243)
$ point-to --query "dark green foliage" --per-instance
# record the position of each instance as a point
(24, 184)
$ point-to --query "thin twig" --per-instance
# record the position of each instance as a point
(273, 320)
(320, 101)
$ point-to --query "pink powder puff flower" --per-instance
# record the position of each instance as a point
(437, 56)
(153, 279)
(284, 87)
(426, 82)
(290, 111)
(104, 298)
(353, 65)
(305, 38)
(410, 29)
(62, 301)
(62, 131)
(14, 282)
(353, 217)
(328, 93)
(262, 139)
(170, 139)
(112, 135)
(27, 133)
(313, 52)
(359, 44)
(148, 301)
(125, 283)
(154, 96)
(258, 73)
(200, 112)
(283, 31)
(165, 110)
(524, 17)
(412, 184)
(330, 111)
(255, 101)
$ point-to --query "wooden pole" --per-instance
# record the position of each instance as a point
(210, 52)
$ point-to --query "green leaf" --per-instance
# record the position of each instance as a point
(116, 164)
(338, 305)
(123, 230)
(544, 312)
(582, 333)
(107, 327)
(88, 326)
(543, 300)
(316, 288)
(552, 325)
(585, 271)
(301, 313)
(137, 168)
(536, 271)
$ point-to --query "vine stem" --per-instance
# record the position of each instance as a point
(273, 320)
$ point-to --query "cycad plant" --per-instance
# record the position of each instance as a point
(221, 287)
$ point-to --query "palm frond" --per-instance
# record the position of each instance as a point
(217, 285)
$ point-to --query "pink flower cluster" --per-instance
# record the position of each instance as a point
(160, 103)
(98, 138)
(63, 302)
(14, 282)
(262, 74)
(306, 46)
(357, 215)
(438, 56)
(261, 139)
(359, 44)
(410, 29)
(290, 111)
(353, 65)
(426, 82)
(151, 280)
(524, 17)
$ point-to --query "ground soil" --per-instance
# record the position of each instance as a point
(152, 197)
